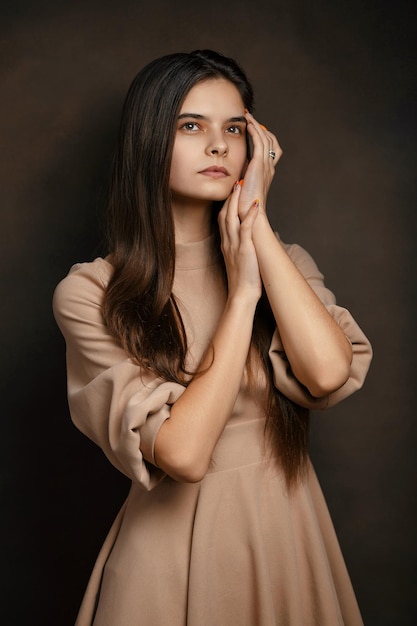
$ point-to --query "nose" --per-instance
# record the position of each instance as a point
(217, 146)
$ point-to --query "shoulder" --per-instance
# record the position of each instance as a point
(84, 284)
(96, 273)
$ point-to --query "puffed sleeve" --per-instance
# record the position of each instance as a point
(111, 399)
(284, 379)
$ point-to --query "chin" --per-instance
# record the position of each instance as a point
(219, 200)
(222, 194)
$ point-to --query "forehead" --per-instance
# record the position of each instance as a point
(213, 94)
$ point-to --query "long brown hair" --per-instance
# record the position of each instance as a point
(139, 306)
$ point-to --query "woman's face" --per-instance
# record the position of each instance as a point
(209, 151)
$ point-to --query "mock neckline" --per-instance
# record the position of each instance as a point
(196, 255)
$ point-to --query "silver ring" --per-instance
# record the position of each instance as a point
(272, 154)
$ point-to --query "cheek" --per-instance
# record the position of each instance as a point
(242, 153)
(177, 152)
(175, 167)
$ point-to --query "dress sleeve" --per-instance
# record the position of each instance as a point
(111, 399)
(284, 379)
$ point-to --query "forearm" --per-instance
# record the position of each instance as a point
(316, 347)
(185, 442)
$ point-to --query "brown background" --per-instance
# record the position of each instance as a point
(336, 82)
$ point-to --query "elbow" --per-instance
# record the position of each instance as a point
(184, 472)
(182, 467)
(329, 380)
(189, 475)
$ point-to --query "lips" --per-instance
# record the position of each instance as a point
(215, 172)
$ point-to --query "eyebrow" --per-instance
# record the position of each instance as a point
(197, 116)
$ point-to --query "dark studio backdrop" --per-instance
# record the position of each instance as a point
(336, 82)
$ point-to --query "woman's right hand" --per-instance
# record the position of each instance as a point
(238, 250)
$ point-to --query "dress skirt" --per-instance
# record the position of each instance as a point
(235, 549)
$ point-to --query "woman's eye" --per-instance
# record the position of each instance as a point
(234, 130)
(190, 126)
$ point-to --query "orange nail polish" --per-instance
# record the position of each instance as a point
(255, 203)
(263, 127)
(240, 182)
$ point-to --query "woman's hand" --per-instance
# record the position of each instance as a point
(237, 246)
(185, 442)
(261, 168)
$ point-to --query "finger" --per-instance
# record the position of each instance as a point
(274, 150)
(260, 139)
(263, 149)
(232, 216)
(229, 217)
(246, 226)
(260, 129)
(222, 213)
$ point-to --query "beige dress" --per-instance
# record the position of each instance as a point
(235, 548)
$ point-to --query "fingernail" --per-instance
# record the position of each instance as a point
(263, 127)
(255, 203)
(236, 185)
(240, 182)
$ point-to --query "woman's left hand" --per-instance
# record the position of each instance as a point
(261, 168)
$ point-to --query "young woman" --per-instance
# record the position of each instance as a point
(194, 351)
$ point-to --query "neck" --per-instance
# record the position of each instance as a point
(192, 222)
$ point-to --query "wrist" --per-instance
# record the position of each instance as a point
(244, 299)
(262, 225)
